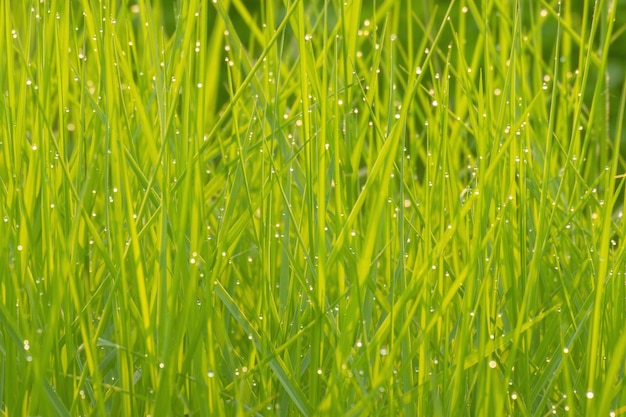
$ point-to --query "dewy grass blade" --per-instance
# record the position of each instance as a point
(278, 367)
(312, 208)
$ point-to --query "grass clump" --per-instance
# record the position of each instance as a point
(311, 208)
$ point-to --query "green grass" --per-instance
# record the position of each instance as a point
(312, 208)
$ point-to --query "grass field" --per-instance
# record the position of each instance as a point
(332, 208)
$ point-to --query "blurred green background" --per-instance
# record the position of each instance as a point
(422, 11)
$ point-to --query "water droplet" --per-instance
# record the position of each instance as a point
(589, 394)
(492, 364)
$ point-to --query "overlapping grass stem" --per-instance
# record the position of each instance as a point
(312, 208)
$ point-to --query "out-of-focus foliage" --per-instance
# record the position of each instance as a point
(530, 10)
